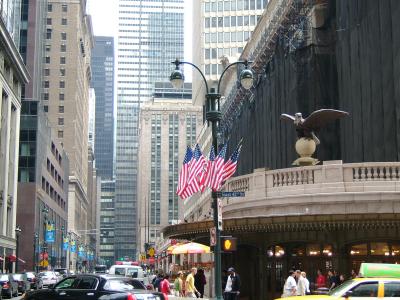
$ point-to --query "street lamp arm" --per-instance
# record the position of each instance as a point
(178, 62)
(244, 62)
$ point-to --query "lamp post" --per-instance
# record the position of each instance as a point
(18, 230)
(35, 243)
(213, 115)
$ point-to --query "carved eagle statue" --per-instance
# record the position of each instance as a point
(314, 122)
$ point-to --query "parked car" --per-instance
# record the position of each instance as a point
(95, 287)
(48, 278)
(23, 282)
(35, 281)
(64, 272)
(9, 287)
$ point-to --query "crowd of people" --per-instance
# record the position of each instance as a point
(297, 283)
(192, 286)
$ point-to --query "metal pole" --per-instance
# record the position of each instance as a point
(16, 252)
(213, 115)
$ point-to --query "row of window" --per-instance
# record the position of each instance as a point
(64, 7)
(61, 85)
(46, 186)
(53, 172)
(231, 21)
(227, 37)
(234, 5)
(63, 60)
(64, 21)
(217, 53)
(49, 34)
(56, 154)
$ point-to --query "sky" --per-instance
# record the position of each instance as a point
(104, 19)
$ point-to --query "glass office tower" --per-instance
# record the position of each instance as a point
(150, 36)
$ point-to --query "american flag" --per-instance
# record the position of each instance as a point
(231, 165)
(205, 176)
(184, 173)
(197, 165)
(190, 189)
(218, 168)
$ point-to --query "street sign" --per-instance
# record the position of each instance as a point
(231, 194)
(151, 252)
(213, 236)
(142, 257)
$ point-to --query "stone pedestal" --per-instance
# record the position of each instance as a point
(305, 148)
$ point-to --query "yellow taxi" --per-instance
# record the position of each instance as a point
(378, 281)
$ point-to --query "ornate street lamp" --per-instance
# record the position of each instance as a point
(213, 115)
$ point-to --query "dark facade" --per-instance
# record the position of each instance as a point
(349, 62)
(103, 83)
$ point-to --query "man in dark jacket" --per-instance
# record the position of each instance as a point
(232, 288)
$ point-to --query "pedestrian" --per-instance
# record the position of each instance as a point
(301, 284)
(191, 290)
(306, 282)
(178, 285)
(321, 280)
(353, 274)
(232, 288)
(290, 286)
(224, 278)
(164, 285)
(341, 279)
(200, 281)
(157, 281)
(333, 279)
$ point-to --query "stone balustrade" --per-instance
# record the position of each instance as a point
(332, 187)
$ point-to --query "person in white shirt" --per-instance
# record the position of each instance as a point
(290, 287)
(307, 283)
(301, 284)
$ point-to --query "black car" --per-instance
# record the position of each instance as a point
(95, 287)
(9, 287)
(23, 282)
(35, 281)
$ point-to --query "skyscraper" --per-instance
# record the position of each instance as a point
(67, 74)
(103, 84)
(150, 37)
(173, 124)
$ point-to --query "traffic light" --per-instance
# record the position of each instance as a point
(228, 244)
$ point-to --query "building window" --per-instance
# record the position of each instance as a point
(64, 8)
(62, 72)
(48, 21)
(64, 21)
(63, 48)
(45, 108)
(48, 48)
(60, 121)
(49, 7)
(46, 84)
(45, 96)
(62, 60)
(63, 36)
(60, 134)
(48, 33)
(61, 97)
(61, 109)
(47, 59)
(62, 84)
(46, 72)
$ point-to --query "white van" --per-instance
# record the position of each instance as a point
(129, 271)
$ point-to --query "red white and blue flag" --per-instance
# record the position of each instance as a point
(197, 165)
(231, 164)
(217, 169)
(184, 173)
(205, 177)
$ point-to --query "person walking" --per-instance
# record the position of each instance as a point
(321, 280)
(164, 285)
(290, 286)
(301, 284)
(200, 281)
(232, 288)
(306, 282)
(191, 290)
(178, 285)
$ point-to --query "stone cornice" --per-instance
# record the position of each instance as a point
(288, 223)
